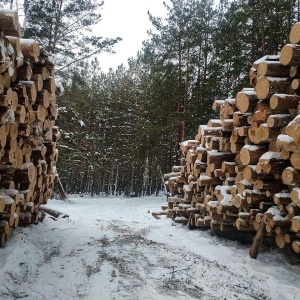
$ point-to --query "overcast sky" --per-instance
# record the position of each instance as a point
(129, 20)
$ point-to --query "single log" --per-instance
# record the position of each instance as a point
(296, 246)
(290, 55)
(293, 129)
(219, 157)
(271, 163)
(280, 241)
(245, 101)
(217, 104)
(243, 225)
(30, 49)
(295, 160)
(49, 85)
(280, 120)
(206, 180)
(294, 71)
(292, 208)
(214, 143)
(227, 125)
(203, 130)
(290, 176)
(9, 21)
(38, 80)
(273, 68)
(257, 241)
(266, 87)
(284, 101)
(266, 134)
(282, 198)
(295, 84)
(265, 58)
(250, 154)
(253, 76)
(240, 201)
(294, 36)
(214, 123)
(296, 224)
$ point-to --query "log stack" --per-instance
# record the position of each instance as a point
(28, 134)
(243, 169)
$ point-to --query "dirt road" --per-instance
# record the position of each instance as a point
(112, 248)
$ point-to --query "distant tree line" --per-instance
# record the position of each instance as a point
(121, 129)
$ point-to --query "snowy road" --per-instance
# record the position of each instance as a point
(112, 248)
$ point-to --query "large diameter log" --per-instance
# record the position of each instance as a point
(250, 154)
(290, 55)
(268, 86)
(284, 101)
(294, 36)
(245, 101)
(273, 68)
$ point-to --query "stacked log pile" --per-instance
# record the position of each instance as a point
(242, 171)
(28, 134)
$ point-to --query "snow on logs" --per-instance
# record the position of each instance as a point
(242, 170)
(28, 134)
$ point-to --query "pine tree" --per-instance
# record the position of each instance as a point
(63, 27)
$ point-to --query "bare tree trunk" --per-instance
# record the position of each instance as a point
(258, 240)
(62, 192)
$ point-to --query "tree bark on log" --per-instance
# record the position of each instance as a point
(257, 241)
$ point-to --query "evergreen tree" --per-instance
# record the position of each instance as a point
(63, 27)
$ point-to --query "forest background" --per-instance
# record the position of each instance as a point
(121, 129)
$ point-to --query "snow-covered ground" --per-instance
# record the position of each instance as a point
(112, 248)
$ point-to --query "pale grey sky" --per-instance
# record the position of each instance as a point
(129, 20)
